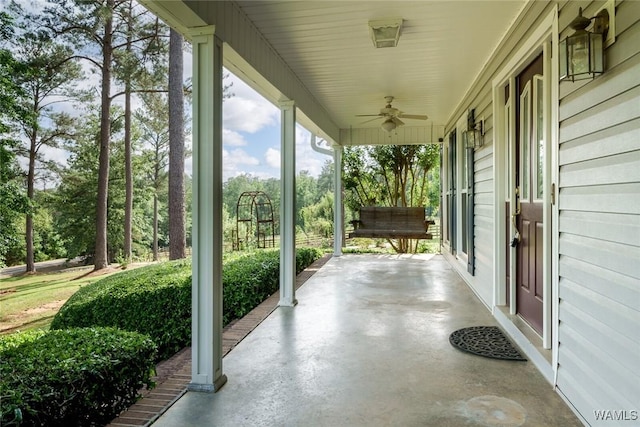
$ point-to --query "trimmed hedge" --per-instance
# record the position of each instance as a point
(156, 300)
(74, 377)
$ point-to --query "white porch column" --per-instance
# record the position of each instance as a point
(337, 201)
(206, 348)
(288, 205)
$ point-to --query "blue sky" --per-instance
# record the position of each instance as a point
(251, 136)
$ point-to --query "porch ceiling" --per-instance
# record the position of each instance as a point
(326, 46)
(443, 46)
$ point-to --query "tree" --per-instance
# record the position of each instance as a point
(177, 238)
(138, 67)
(49, 78)
(152, 121)
(306, 194)
(91, 25)
(14, 202)
(389, 175)
(75, 197)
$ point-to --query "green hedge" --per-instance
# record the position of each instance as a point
(74, 377)
(156, 300)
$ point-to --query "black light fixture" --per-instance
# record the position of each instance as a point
(473, 137)
(582, 53)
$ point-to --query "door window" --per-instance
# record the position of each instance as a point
(538, 137)
(525, 147)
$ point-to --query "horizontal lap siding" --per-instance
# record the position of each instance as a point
(480, 98)
(599, 226)
(483, 216)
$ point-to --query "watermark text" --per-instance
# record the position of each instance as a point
(616, 415)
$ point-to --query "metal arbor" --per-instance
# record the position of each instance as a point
(254, 207)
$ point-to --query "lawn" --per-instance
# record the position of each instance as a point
(31, 301)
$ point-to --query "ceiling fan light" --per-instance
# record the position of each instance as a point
(388, 125)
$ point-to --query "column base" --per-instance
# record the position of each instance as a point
(208, 388)
(284, 303)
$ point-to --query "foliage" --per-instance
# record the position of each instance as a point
(77, 377)
(251, 279)
(391, 175)
(318, 218)
(156, 300)
(14, 201)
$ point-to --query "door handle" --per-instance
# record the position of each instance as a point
(518, 206)
(516, 237)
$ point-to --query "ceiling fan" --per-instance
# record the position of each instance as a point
(392, 116)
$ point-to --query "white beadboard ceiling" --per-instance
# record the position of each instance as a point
(442, 48)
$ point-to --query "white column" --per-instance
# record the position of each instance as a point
(337, 201)
(288, 205)
(206, 348)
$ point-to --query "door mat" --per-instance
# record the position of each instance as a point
(487, 341)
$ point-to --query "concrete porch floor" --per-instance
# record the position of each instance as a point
(368, 345)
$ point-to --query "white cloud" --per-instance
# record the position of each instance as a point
(234, 162)
(248, 115)
(272, 156)
(233, 139)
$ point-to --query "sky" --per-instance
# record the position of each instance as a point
(251, 136)
(251, 128)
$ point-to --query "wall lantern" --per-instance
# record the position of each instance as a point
(473, 137)
(385, 32)
(582, 54)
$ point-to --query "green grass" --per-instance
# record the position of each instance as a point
(31, 301)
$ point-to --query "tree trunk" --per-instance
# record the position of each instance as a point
(155, 226)
(177, 237)
(128, 177)
(100, 257)
(30, 261)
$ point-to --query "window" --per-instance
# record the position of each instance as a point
(538, 137)
(525, 148)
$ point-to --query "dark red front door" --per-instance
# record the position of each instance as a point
(529, 173)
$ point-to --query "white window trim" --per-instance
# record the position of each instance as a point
(461, 190)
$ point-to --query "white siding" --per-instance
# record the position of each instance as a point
(483, 214)
(480, 98)
(599, 226)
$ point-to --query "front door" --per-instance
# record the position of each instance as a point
(529, 155)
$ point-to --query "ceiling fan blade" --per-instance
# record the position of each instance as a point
(413, 116)
(367, 121)
(368, 115)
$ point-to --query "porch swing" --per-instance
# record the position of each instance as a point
(254, 207)
(397, 222)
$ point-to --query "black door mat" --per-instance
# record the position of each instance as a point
(487, 341)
